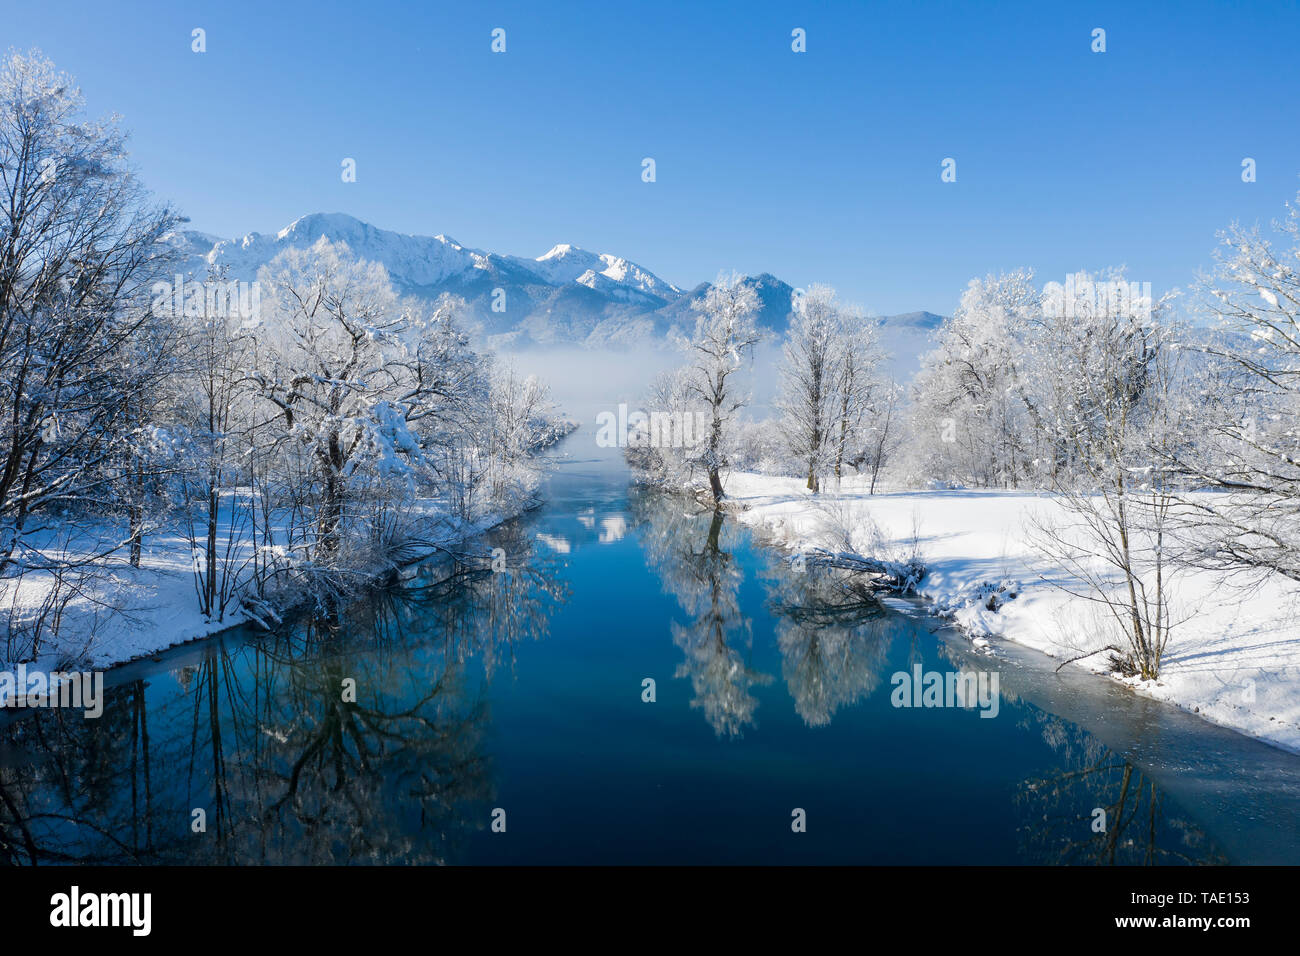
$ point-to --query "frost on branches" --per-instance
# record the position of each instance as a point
(334, 433)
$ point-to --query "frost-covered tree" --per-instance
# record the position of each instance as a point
(970, 420)
(1064, 349)
(338, 433)
(1117, 415)
(80, 246)
(723, 340)
(214, 411)
(524, 420)
(1077, 389)
(364, 385)
(809, 401)
(666, 447)
(882, 433)
(760, 446)
(145, 450)
(453, 418)
(860, 394)
(1249, 406)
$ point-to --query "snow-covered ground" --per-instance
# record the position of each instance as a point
(1234, 659)
(117, 613)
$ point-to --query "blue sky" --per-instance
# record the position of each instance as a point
(822, 166)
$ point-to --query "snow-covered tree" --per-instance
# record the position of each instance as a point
(80, 246)
(214, 411)
(1249, 406)
(338, 432)
(667, 447)
(883, 432)
(861, 393)
(723, 340)
(970, 420)
(1116, 414)
(809, 400)
(363, 384)
(145, 450)
(524, 420)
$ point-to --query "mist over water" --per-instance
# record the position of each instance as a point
(586, 382)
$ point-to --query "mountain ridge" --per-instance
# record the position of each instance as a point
(567, 295)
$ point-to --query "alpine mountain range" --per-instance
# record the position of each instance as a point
(567, 296)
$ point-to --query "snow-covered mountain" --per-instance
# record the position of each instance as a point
(567, 295)
(412, 260)
(616, 276)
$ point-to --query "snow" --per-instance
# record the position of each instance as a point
(135, 611)
(566, 263)
(416, 260)
(419, 260)
(130, 613)
(1234, 659)
(633, 306)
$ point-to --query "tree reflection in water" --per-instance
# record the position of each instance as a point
(260, 737)
(833, 636)
(1059, 809)
(688, 549)
(832, 633)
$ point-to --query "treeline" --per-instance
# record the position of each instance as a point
(1168, 429)
(300, 439)
(838, 410)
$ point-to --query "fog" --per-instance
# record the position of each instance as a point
(585, 382)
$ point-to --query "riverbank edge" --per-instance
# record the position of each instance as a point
(945, 619)
(167, 639)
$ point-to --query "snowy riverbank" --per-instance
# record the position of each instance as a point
(121, 613)
(1234, 660)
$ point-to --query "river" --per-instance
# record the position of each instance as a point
(505, 716)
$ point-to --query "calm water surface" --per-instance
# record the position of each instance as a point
(522, 691)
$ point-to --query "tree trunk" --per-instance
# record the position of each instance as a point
(715, 485)
(210, 569)
(331, 519)
(137, 533)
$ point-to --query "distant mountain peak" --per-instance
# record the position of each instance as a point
(322, 222)
(566, 295)
(557, 252)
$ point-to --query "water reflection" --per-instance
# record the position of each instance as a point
(1091, 806)
(834, 638)
(613, 528)
(832, 633)
(264, 750)
(1098, 808)
(835, 641)
(557, 543)
(288, 766)
(689, 550)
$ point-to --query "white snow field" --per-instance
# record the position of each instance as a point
(1234, 658)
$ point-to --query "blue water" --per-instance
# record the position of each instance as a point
(518, 696)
